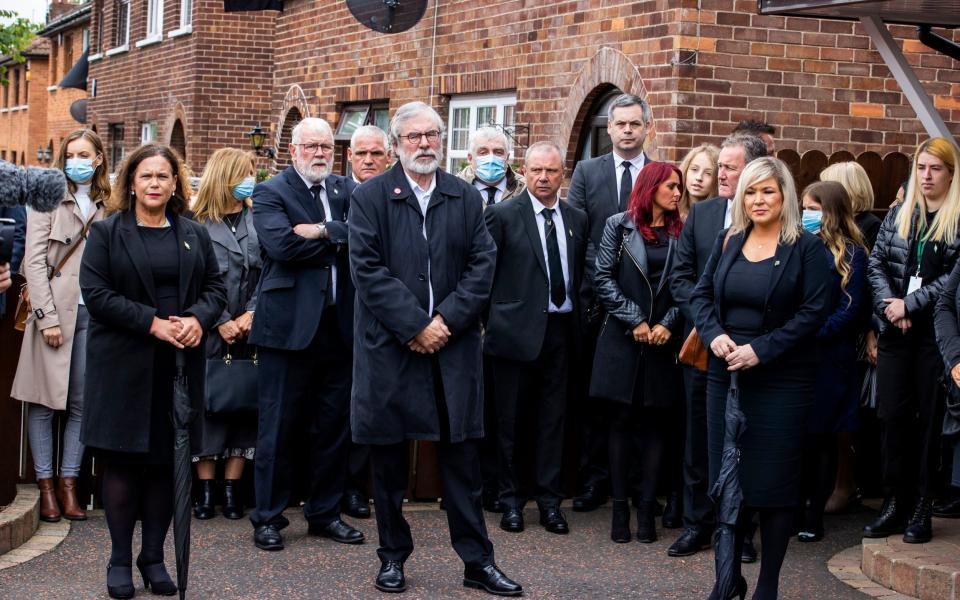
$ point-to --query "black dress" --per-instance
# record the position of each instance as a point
(775, 397)
(161, 244)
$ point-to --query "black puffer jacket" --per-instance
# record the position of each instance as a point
(889, 261)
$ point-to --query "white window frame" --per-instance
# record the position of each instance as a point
(186, 14)
(148, 132)
(126, 35)
(154, 23)
(473, 102)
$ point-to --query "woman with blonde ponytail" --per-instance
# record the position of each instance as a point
(828, 213)
(916, 250)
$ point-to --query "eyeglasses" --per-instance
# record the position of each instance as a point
(312, 148)
(415, 137)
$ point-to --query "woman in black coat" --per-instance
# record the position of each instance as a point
(763, 296)
(635, 366)
(152, 287)
(915, 252)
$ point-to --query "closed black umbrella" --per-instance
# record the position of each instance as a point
(727, 495)
(182, 475)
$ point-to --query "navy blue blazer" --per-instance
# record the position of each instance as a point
(293, 283)
(797, 299)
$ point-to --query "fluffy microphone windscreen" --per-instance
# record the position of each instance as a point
(11, 184)
(45, 188)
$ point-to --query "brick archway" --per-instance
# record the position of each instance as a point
(175, 137)
(608, 67)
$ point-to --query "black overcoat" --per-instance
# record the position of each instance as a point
(118, 290)
(393, 388)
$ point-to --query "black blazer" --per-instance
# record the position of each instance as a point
(700, 230)
(293, 284)
(797, 299)
(593, 189)
(119, 293)
(517, 314)
(19, 216)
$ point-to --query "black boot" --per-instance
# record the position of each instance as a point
(204, 508)
(889, 521)
(673, 513)
(232, 508)
(647, 522)
(620, 525)
(920, 529)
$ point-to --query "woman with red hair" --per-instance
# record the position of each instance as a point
(635, 367)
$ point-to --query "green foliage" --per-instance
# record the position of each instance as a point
(15, 36)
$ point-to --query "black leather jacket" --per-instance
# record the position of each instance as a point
(887, 270)
(624, 289)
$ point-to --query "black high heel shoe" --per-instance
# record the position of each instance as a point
(120, 581)
(156, 578)
(740, 589)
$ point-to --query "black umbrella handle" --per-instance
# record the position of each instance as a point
(181, 361)
(734, 383)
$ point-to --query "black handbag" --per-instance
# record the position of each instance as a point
(231, 386)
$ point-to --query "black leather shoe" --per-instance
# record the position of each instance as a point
(749, 553)
(156, 578)
(888, 522)
(492, 580)
(390, 579)
(267, 537)
(553, 520)
(337, 531)
(947, 509)
(590, 499)
(494, 505)
(204, 509)
(920, 528)
(646, 523)
(232, 508)
(120, 581)
(690, 542)
(355, 505)
(673, 513)
(512, 521)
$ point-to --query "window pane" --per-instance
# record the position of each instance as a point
(381, 118)
(457, 164)
(186, 12)
(460, 132)
(486, 115)
(509, 115)
(351, 118)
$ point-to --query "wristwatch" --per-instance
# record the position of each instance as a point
(321, 229)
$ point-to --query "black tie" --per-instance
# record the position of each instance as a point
(315, 192)
(626, 185)
(491, 196)
(558, 291)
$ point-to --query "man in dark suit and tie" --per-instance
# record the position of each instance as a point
(532, 331)
(704, 222)
(304, 332)
(600, 187)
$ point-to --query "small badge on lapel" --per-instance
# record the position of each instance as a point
(776, 263)
(396, 190)
(336, 191)
(570, 231)
(187, 246)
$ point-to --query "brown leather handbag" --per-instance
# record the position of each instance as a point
(23, 301)
(693, 352)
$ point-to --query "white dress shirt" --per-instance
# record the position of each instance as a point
(85, 204)
(482, 186)
(423, 199)
(728, 215)
(538, 208)
(636, 164)
(328, 216)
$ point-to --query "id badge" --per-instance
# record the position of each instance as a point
(914, 285)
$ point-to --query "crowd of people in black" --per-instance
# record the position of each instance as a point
(482, 312)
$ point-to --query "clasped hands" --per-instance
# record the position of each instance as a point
(431, 338)
(181, 332)
(657, 336)
(235, 329)
(896, 313)
(737, 357)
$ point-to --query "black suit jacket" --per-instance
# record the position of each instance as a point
(593, 189)
(700, 230)
(517, 315)
(19, 215)
(118, 289)
(797, 297)
(293, 284)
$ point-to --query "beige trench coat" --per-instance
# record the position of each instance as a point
(43, 373)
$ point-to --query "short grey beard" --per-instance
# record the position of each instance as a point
(409, 162)
(306, 174)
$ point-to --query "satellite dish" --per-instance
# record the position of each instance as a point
(78, 110)
(388, 16)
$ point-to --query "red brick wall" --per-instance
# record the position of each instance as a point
(59, 121)
(23, 125)
(213, 80)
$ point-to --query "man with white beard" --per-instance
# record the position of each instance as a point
(303, 332)
(422, 262)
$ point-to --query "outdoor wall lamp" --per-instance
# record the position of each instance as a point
(257, 137)
(44, 155)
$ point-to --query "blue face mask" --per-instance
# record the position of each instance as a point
(79, 170)
(491, 168)
(811, 220)
(244, 189)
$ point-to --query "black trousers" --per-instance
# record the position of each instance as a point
(910, 404)
(304, 395)
(697, 506)
(460, 476)
(489, 448)
(593, 460)
(531, 399)
(358, 468)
